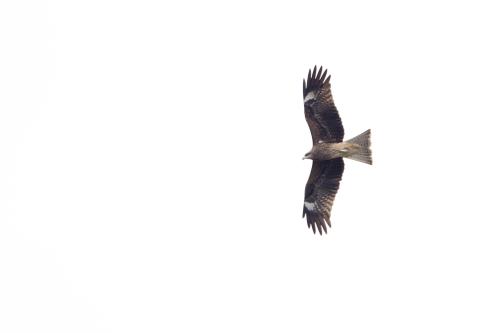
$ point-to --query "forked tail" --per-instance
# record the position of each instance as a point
(364, 154)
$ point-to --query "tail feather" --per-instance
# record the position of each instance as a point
(365, 153)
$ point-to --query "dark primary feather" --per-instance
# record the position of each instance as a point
(321, 114)
(321, 189)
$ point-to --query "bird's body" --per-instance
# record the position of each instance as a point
(328, 150)
(357, 148)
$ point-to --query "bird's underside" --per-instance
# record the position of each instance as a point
(357, 148)
(328, 150)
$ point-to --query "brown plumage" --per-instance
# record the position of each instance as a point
(320, 111)
(328, 150)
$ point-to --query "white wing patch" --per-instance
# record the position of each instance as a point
(310, 206)
(309, 96)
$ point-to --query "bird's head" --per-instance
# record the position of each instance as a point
(308, 155)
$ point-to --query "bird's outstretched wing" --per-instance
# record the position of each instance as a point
(320, 111)
(320, 192)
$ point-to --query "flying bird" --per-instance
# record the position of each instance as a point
(328, 149)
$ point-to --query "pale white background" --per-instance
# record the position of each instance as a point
(151, 177)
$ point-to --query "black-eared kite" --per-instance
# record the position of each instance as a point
(328, 150)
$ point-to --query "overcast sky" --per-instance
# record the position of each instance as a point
(151, 177)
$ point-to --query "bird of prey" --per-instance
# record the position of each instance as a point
(328, 150)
